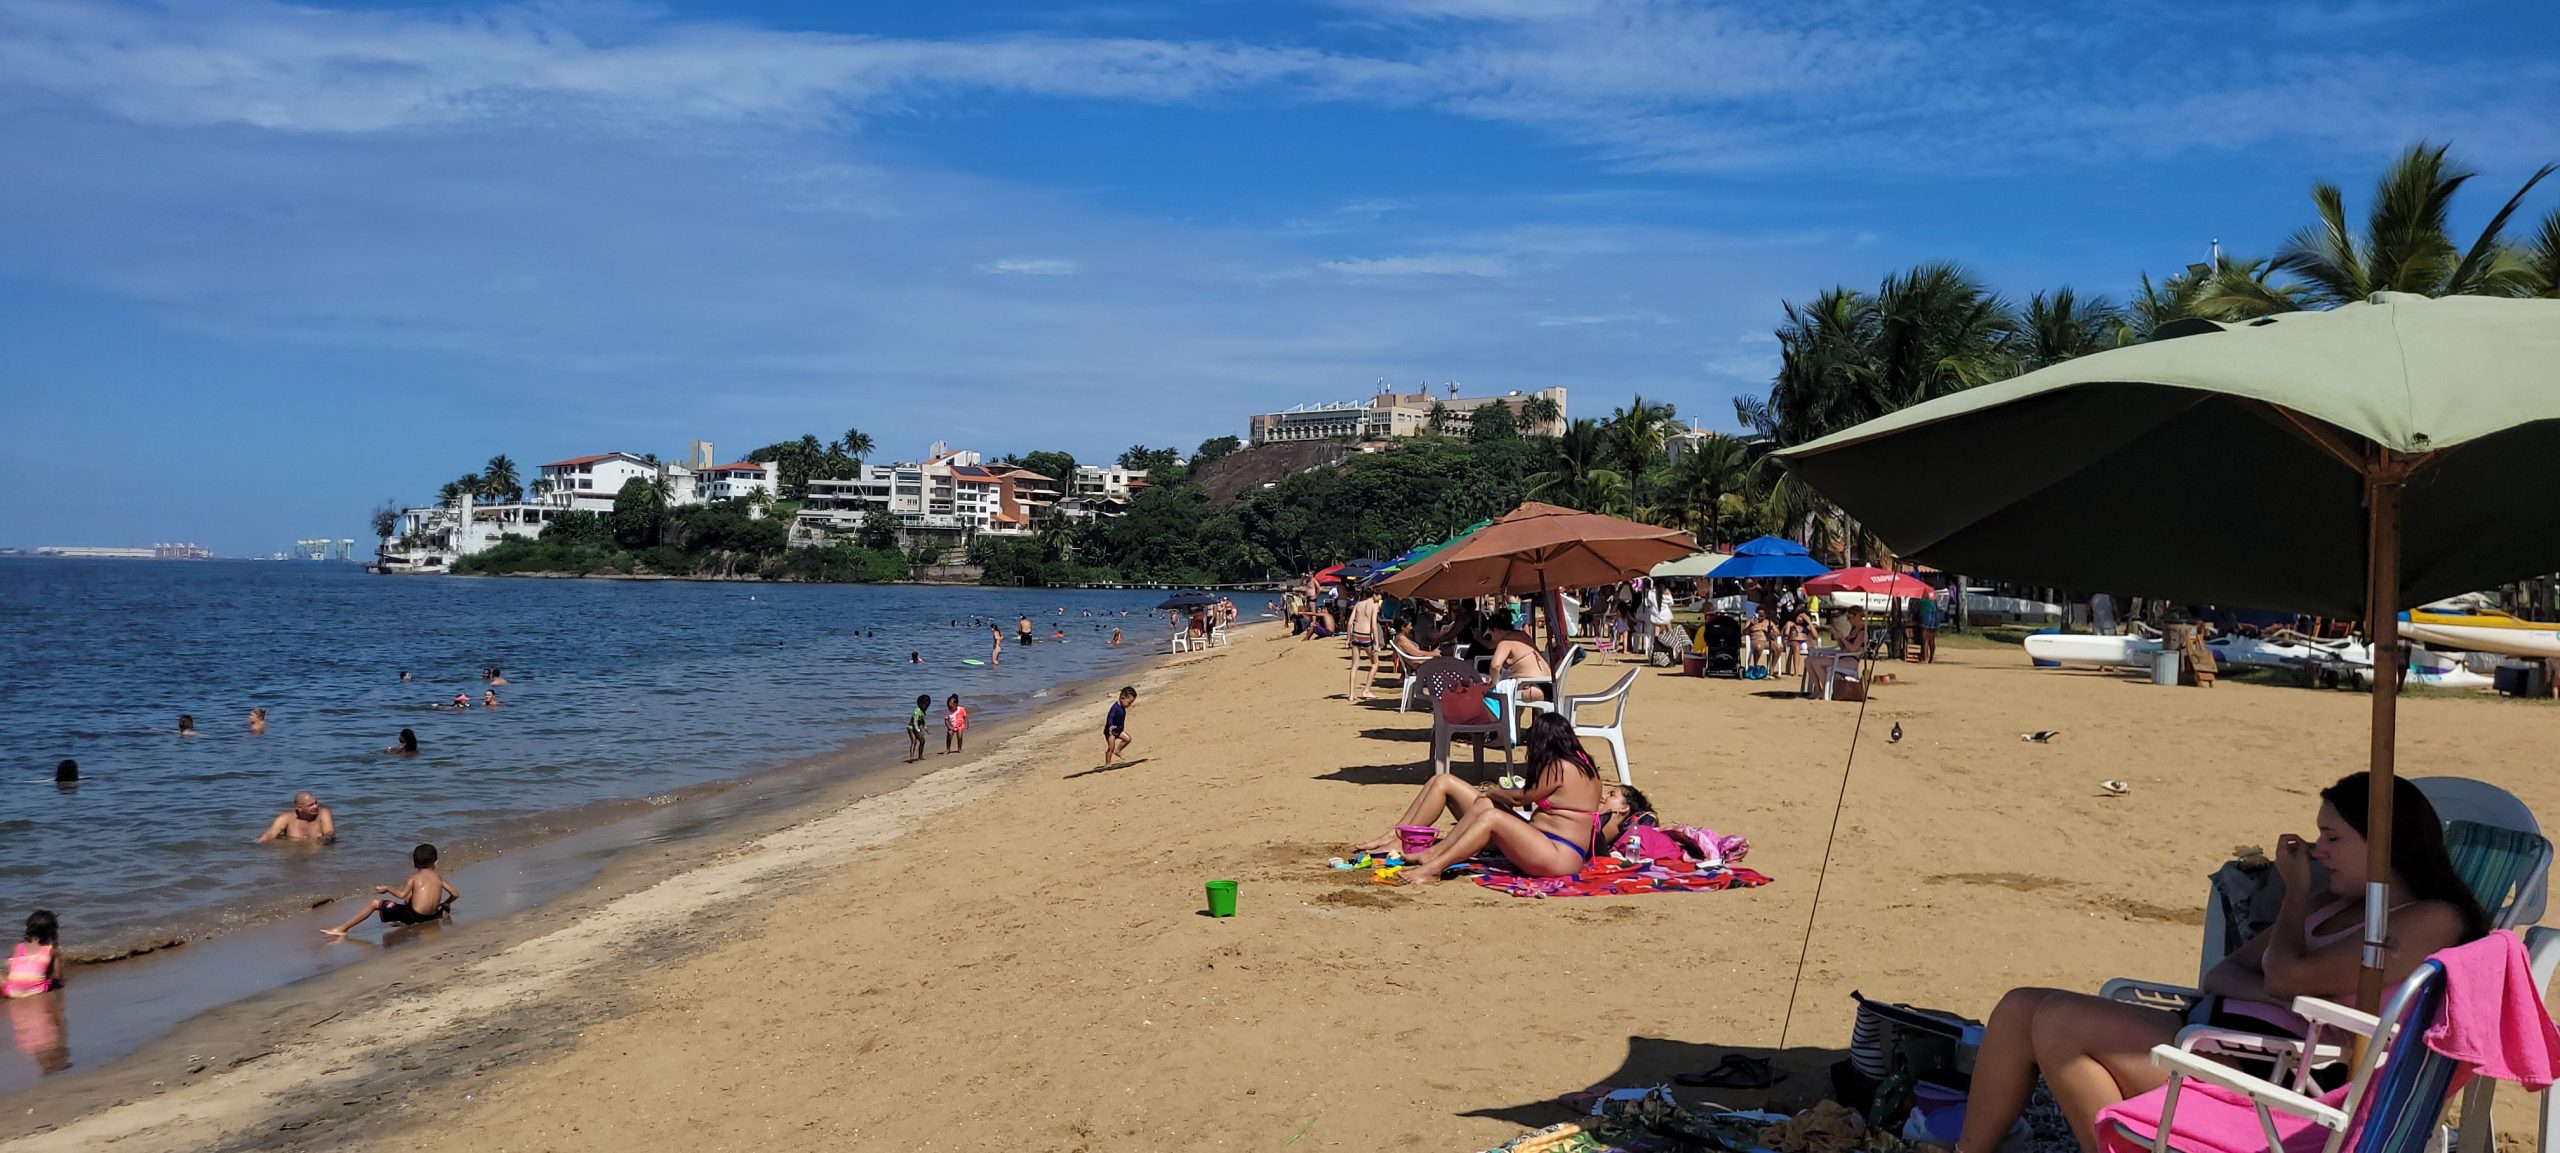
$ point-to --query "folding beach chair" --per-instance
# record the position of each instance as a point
(2391, 1104)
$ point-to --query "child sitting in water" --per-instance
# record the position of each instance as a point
(422, 898)
(35, 966)
(915, 728)
(955, 725)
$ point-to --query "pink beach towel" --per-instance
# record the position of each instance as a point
(2493, 1020)
(2211, 1119)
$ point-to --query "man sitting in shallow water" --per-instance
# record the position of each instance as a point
(307, 820)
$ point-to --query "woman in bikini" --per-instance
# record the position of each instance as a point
(1516, 657)
(2094, 1052)
(1571, 818)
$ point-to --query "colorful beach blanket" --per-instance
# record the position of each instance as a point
(1611, 877)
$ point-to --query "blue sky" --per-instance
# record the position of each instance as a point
(265, 265)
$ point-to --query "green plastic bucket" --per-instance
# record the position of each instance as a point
(1222, 898)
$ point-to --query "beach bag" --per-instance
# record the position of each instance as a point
(1894, 1047)
(1469, 705)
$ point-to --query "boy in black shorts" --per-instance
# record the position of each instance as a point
(422, 898)
(1115, 727)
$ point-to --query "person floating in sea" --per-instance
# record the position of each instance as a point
(307, 820)
(258, 720)
(186, 725)
(1057, 634)
(422, 898)
(67, 773)
(915, 728)
(461, 703)
(404, 676)
(914, 657)
(406, 746)
(955, 725)
(496, 677)
(489, 699)
(1115, 726)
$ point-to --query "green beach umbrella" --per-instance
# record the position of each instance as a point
(2354, 462)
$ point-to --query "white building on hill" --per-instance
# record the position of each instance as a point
(1393, 415)
(429, 538)
(951, 491)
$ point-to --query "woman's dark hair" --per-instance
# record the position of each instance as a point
(1551, 740)
(1639, 806)
(2417, 845)
(409, 740)
(42, 928)
(66, 772)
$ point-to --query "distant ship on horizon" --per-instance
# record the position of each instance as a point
(155, 552)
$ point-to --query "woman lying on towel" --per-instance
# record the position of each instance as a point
(2095, 1052)
(1573, 817)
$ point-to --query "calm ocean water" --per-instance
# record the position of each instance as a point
(619, 691)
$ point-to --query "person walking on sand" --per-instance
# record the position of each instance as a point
(915, 728)
(1115, 726)
(1363, 632)
(955, 725)
(422, 898)
(307, 820)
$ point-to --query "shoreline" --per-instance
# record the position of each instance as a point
(147, 986)
(335, 1053)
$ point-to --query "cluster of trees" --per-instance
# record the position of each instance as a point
(797, 462)
(646, 534)
(1850, 355)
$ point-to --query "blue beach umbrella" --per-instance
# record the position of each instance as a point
(1770, 557)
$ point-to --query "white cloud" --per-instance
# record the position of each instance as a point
(1035, 267)
(1443, 264)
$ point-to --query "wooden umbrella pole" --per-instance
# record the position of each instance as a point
(2384, 478)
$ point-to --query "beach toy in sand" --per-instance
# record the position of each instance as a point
(1337, 863)
(1222, 898)
(2115, 788)
(1386, 876)
(1417, 839)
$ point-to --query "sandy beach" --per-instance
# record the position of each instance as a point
(1010, 952)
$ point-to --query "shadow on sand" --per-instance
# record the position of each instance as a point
(1408, 773)
(1656, 1060)
(1113, 767)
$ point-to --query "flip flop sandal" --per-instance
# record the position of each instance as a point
(1736, 1072)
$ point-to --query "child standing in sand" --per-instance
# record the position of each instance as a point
(955, 725)
(915, 727)
(422, 898)
(35, 966)
(1115, 726)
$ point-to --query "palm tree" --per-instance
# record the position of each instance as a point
(856, 444)
(450, 494)
(2406, 246)
(2542, 257)
(1937, 331)
(1636, 433)
(1438, 421)
(1538, 413)
(1712, 482)
(1580, 456)
(498, 480)
(2237, 289)
(2060, 325)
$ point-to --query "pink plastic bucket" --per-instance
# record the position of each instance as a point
(1418, 838)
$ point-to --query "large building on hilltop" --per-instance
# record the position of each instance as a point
(1393, 415)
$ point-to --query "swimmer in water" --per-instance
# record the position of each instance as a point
(404, 676)
(186, 725)
(914, 657)
(307, 820)
(406, 746)
(258, 720)
(461, 703)
(1057, 634)
(996, 659)
(489, 700)
(67, 773)
(1115, 636)
(496, 677)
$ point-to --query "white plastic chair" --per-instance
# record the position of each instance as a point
(1182, 641)
(1217, 636)
(1444, 731)
(1614, 732)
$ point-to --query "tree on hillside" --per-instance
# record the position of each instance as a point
(1711, 485)
(1215, 447)
(856, 444)
(2406, 245)
(1635, 434)
(386, 518)
(1578, 473)
(1493, 422)
(1057, 466)
(1437, 422)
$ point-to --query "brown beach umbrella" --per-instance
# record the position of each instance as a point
(1538, 547)
(2360, 460)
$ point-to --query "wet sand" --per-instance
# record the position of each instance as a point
(1011, 953)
